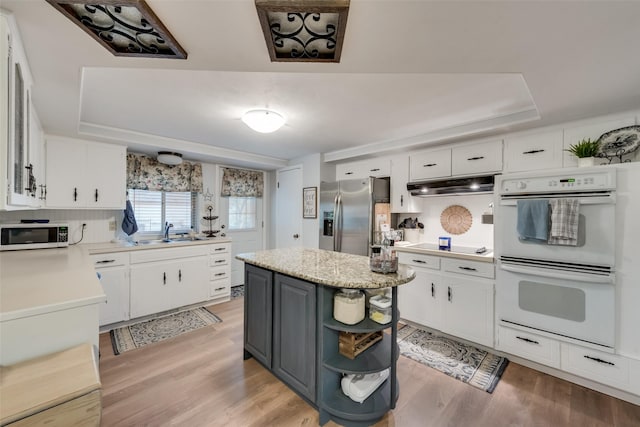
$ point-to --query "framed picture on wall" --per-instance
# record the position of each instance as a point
(310, 202)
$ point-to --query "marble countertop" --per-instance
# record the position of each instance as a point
(328, 268)
(40, 281)
(432, 249)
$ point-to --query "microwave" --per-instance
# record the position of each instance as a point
(33, 236)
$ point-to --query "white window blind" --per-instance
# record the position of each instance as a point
(153, 208)
(242, 213)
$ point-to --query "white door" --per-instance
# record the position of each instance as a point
(244, 239)
(289, 208)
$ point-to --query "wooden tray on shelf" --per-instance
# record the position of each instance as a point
(351, 344)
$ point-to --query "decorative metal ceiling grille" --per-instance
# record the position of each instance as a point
(303, 30)
(124, 27)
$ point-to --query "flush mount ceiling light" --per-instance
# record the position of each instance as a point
(169, 158)
(303, 30)
(263, 121)
(123, 27)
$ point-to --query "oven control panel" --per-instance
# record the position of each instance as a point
(573, 181)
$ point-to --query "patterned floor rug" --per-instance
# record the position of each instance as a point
(159, 329)
(466, 363)
(237, 291)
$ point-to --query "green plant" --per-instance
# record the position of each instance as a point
(584, 148)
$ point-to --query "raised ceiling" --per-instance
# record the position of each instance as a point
(411, 74)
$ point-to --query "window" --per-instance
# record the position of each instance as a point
(154, 208)
(242, 213)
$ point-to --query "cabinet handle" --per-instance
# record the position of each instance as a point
(164, 278)
(374, 170)
(419, 261)
(428, 165)
(179, 275)
(219, 289)
(433, 290)
(348, 173)
(468, 268)
(218, 261)
(476, 158)
(528, 340)
(597, 359)
(220, 274)
(75, 194)
(105, 261)
(532, 151)
(449, 293)
(401, 200)
(96, 194)
(219, 249)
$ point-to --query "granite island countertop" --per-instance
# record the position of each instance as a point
(335, 269)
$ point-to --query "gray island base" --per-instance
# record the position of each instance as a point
(289, 328)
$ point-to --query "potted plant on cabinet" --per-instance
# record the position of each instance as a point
(586, 151)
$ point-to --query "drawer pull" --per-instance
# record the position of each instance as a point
(106, 261)
(348, 173)
(219, 249)
(532, 151)
(419, 261)
(219, 289)
(468, 268)
(218, 261)
(220, 274)
(529, 340)
(374, 170)
(596, 359)
(428, 165)
(476, 158)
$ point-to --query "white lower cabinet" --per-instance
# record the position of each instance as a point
(454, 303)
(529, 346)
(163, 279)
(114, 278)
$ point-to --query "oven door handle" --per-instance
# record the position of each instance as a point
(575, 277)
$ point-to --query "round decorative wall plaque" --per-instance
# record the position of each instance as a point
(456, 219)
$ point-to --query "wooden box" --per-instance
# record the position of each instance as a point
(352, 344)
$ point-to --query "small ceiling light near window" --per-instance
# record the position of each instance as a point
(303, 30)
(169, 158)
(263, 121)
(123, 27)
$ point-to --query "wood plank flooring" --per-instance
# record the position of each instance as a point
(200, 379)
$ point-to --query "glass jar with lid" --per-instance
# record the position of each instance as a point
(348, 306)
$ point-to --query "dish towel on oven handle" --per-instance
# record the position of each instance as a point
(565, 215)
(533, 220)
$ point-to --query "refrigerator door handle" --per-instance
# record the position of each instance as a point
(337, 224)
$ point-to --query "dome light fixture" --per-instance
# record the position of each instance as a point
(169, 158)
(263, 121)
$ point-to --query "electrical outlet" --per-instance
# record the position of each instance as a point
(112, 225)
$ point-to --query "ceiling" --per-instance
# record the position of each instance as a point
(412, 73)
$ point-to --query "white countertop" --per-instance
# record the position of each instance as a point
(123, 246)
(432, 249)
(40, 281)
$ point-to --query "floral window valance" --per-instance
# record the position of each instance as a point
(241, 183)
(146, 173)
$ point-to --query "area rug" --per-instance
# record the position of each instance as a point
(463, 362)
(159, 329)
(237, 291)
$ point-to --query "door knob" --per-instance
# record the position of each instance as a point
(295, 236)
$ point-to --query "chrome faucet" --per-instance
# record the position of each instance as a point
(167, 226)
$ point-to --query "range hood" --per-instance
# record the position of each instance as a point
(452, 186)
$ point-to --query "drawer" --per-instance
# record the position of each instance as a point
(149, 255)
(471, 268)
(110, 260)
(220, 273)
(606, 368)
(220, 248)
(219, 288)
(419, 260)
(217, 260)
(529, 346)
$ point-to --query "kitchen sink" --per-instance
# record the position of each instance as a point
(167, 241)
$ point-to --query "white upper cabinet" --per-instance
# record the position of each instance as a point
(532, 152)
(87, 175)
(430, 164)
(476, 158)
(20, 138)
(380, 167)
(573, 135)
(401, 200)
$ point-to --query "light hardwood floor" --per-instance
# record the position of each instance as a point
(200, 379)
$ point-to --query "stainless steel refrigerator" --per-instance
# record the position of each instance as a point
(347, 213)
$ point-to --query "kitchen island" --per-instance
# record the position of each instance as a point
(289, 328)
